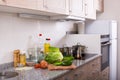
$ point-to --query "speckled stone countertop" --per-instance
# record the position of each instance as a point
(44, 74)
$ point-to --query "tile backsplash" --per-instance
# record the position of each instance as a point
(14, 33)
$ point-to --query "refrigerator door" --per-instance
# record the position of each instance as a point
(113, 30)
(106, 27)
(113, 60)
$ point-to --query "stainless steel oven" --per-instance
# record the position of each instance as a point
(105, 50)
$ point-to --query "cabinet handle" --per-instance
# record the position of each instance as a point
(46, 6)
(104, 75)
(82, 5)
(70, 11)
(3, 0)
(81, 72)
(85, 4)
(86, 9)
(95, 72)
(75, 77)
(93, 65)
(66, 79)
(86, 14)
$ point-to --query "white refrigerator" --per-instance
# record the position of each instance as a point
(106, 27)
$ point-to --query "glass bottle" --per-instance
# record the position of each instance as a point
(40, 41)
(46, 45)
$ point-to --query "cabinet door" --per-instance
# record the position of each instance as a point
(105, 74)
(30, 4)
(94, 69)
(90, 10)
(2, 2)
(99, 5)
(81, 73)
(77, 8)
(68, 76)
(57, 6)
(40, 4)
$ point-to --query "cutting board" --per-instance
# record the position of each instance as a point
(23, 68)
(53, 67)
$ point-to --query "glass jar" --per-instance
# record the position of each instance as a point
(22, 59)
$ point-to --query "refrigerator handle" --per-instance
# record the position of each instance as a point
(108, 43)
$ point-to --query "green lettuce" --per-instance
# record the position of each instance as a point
(53, 57)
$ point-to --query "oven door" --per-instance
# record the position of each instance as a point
(105, 50)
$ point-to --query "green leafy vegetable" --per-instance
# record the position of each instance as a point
(58, 63)
(67, 61)
(53, 57)
(53, 49)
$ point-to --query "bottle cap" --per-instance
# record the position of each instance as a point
(23, 52)
(48, 39)
(40, 34)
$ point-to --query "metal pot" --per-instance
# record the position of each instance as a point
(66, 51)
(78, 50)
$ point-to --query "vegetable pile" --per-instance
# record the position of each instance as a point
(55, 57)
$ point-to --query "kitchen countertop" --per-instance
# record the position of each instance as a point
(44, 74)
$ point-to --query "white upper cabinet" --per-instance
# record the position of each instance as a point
(77, 8)
(74, 8)
(99, 5)
(2, 2)
(30, 4)
(56, 6)
(40, 4)
(90, 9)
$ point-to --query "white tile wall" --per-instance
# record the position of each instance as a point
(14, 33)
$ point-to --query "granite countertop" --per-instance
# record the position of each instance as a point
(44, 74)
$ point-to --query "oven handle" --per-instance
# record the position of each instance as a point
(108, 43)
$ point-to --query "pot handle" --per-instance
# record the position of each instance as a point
(78, 43)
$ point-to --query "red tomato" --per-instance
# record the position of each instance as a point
(37, 66)
(43, 64)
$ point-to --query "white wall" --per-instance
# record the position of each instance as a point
(14, 33)
(91, 41)
(112, 11)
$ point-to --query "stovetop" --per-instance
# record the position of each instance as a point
(87, 55)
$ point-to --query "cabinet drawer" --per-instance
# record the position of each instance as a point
(80, 73)
(95, 64)
(105, 74)
(66, 76)
(94, 69)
